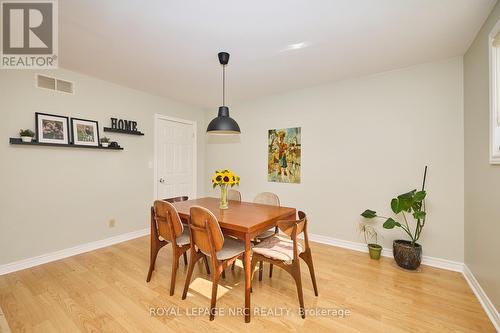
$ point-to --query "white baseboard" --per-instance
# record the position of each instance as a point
(53, 256)
(488, 306)
(426, 260)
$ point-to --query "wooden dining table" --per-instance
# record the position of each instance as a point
(243, 220)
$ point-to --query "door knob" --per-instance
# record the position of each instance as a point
(162, 180)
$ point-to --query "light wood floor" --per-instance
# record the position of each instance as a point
(106, 291)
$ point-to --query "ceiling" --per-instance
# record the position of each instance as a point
(169, 47)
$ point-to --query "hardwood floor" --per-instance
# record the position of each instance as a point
(106, 291)
(4, 327)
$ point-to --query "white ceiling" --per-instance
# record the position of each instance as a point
(170, 47)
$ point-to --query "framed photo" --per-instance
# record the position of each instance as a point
(51, 128)
(84, 132)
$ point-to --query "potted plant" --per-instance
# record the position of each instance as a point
(224, 178)
(105, 141)
(370, 233)
(26, 135)
(407, 253)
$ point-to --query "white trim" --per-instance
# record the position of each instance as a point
(488, 306)
(157, 117)
(426, 260)
(494, 121)
(61, 254)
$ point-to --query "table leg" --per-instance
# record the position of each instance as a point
(247, 277)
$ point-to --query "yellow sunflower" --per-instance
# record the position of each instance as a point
(225, 177)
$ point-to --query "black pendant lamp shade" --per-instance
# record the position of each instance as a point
(223, 124)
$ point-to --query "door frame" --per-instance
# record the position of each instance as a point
(157, 118)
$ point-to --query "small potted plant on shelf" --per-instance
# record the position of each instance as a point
(26, 135)
(370, 234)
(407, 253)
(105, 142)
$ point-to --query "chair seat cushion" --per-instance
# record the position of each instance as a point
(266, 234)
(183, 238)
(277, 247)
(231, 248)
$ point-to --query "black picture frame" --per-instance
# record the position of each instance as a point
(74, 136)
(65, 140)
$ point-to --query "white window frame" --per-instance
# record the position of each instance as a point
(494, 96)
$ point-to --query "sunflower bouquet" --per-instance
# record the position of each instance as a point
(224, 178)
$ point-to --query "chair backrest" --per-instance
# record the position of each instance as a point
(167, 220)
(294, 228)
(233, 195)
(267, 198)
(176, 199)
(205, 231)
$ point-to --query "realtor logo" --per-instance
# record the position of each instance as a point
(29, 35)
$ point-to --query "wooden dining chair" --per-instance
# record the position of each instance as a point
(233, 195)
(165, 223)
(286, 251)
(266, 198)
(179, 199)
(207, 239)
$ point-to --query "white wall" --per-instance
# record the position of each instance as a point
(56, 198)
(482, 180)
(363, 141)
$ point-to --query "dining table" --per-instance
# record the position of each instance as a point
(243, 220)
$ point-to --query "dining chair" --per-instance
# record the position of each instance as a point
(233, 195)
(266, 198)
(285, 252)
(207, 239)
(178, 199)
(165, 223)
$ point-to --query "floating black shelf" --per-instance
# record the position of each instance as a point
(18, 141)
(115, 130)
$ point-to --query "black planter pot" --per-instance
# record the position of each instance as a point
(406, 255)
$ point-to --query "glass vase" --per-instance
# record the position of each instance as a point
(223, 197)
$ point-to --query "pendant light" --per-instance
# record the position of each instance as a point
(223, 124)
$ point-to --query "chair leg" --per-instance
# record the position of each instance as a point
(156, 245)
(205, 260)
(307, 257)
(270, 270)
(185, 258)
(175, 264)
(224, 274)
(232, 266)
(261, 268)
(252, 270)
(213, 300)
(192, 261)
(298, 282)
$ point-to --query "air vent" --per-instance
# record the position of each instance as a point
(65, 86)
(45, 82)
(51, 83)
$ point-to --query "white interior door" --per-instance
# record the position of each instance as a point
(175, 168)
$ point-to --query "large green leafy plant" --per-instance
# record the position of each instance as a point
(407, 205)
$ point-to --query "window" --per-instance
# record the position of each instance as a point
(494, 46)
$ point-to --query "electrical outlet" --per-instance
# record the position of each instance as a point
(111, 223)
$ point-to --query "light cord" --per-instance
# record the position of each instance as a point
(223, 85)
